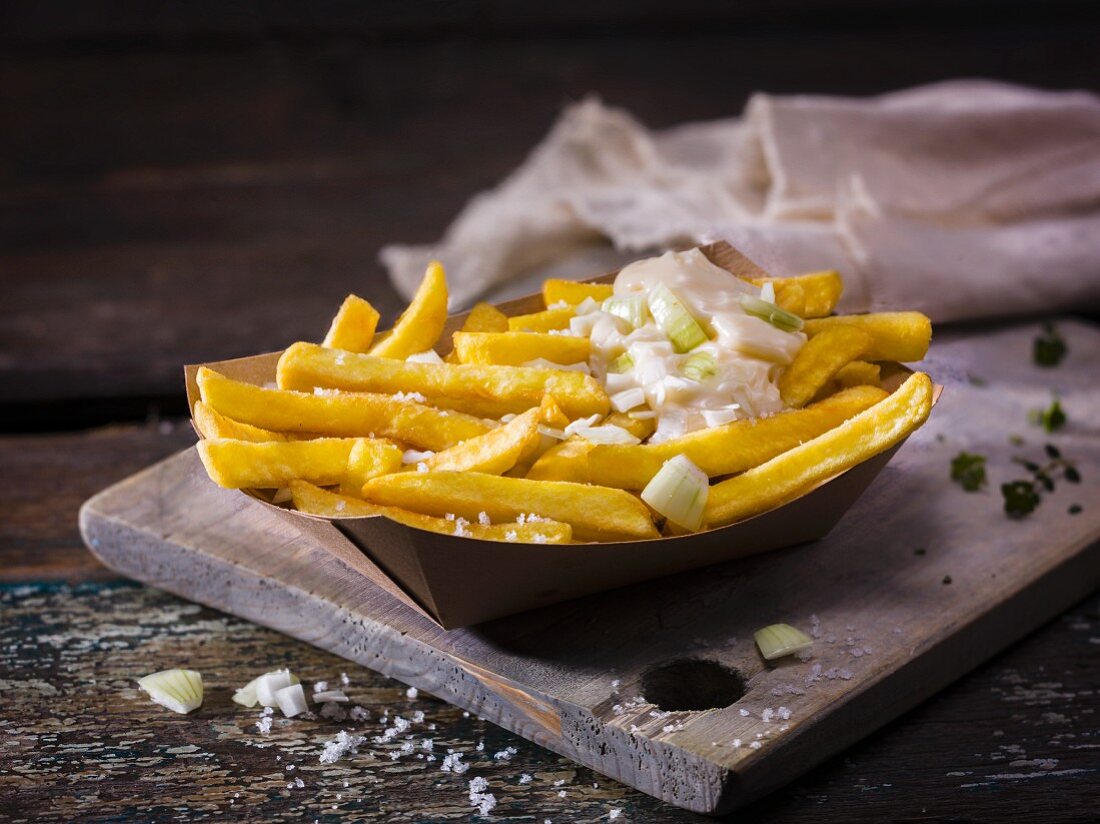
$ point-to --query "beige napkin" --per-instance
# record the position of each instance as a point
(964, 199)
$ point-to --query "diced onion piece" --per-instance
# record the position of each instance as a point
(631, 309)
(679, 492)
(271, 682)
(699, 366)
(675, 320)
(291, 700)
(180, 690)
(779, 318)
(623, 363)
(608, 433)
(427, 356)
(591, 420)
(581, 326)
(282, 495)
(246, 695)
(767, 292)
(415, 456)
(330, 696)
(586, 306)
(720, 417)
(643, 414)
(779, 640)
(628, 399)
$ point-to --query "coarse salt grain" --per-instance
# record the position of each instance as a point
(613, 813)
(320, 686)
(453, 763)
(415, 397)
(479, 798)
(411, 692)
(505, 754)
(525, 779)
(755, 745)
(511, 535)
(264, 724)
(744, 713)
(483, 518)
(341, 745)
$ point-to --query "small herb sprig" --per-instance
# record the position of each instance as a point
(1051, 418)
(968, 470)
(1021, 497)
(1049, 348)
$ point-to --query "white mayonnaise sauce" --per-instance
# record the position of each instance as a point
(749, 353)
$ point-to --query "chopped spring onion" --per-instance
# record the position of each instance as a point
(779, 318)
(291, 700)
(699, 366)
(608, 433)
(628, 399)
(779, 640)
(179, 690)
(330, 696)
(767, 292)
(675, 320)
(623, 363)
(679, 492)
(631, 309)
(271, 682)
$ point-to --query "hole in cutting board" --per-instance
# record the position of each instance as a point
(692, 684)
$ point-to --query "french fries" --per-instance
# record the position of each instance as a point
(353, 327)
(819, 360)
(313, 500)
(897, 336)
(721, 450)
(507, 439)
(556, 291)
(796, 471)
(511, 388)
(810, 296)
(212, 424)
(338, 413)
(594, 512)
(247, 464)
(419, 326)
(518, 348)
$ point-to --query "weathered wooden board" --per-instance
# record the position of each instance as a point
(894, 624)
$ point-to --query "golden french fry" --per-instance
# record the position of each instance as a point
(640, 428)
(798, 470)
(517, 348)
(569, 291)
(821, 357)
(421, 324)
(721, 450)
(511, 388)
(496, 451)
(595, 512)
(545, 321)
(898, 336)
(369, 458)
(316, 501)
(817, 292)
(482, 318)
(353, 327)
(248, 464)
(338, 413)
(212, 424)
(859, 373)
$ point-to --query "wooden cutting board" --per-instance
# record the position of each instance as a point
(919, 583)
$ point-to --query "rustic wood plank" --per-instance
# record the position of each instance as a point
(81, 743)
(895, 625)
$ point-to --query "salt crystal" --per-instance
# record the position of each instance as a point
(561, 793)
(525, 779)
(344, 679)
(453, 763)
(320, 686)
(755, 745)
(359, 714)
(737, 743)
(511, 535)
(744, 713)
(766, 715)
(264, 725)
(299, 783)
(479, 798)
(614, 813)
(418, 717)
(343, 743)
(483, 518)
(505, 754)
(615, 684)
(783, 713)
(411, 692)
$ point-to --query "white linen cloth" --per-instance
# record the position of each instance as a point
(964, 199)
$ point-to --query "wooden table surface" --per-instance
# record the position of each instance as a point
(180, 197)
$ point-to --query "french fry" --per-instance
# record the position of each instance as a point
(353, 327)
(421, 324)
(569, 291)
(348, 414)
(819, 359)
(898, 336)
(517, 348)
(247, 464)
(212, 424)
(798, 470)
(512, 388)
(721, 450)
(548, 320)
(316, 501)
(594, 512)
(818, 292)
(482, 318)
(369, 458)
(500, 449)
(859, 373)
(640, 428)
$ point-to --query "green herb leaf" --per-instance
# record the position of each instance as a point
(1051, 418)
(1020, 498)
(969, 471)
(1049, 348)
(1072, 475)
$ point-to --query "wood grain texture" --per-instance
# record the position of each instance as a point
(895, 626)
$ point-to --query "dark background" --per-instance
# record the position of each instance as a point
(194, 181)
